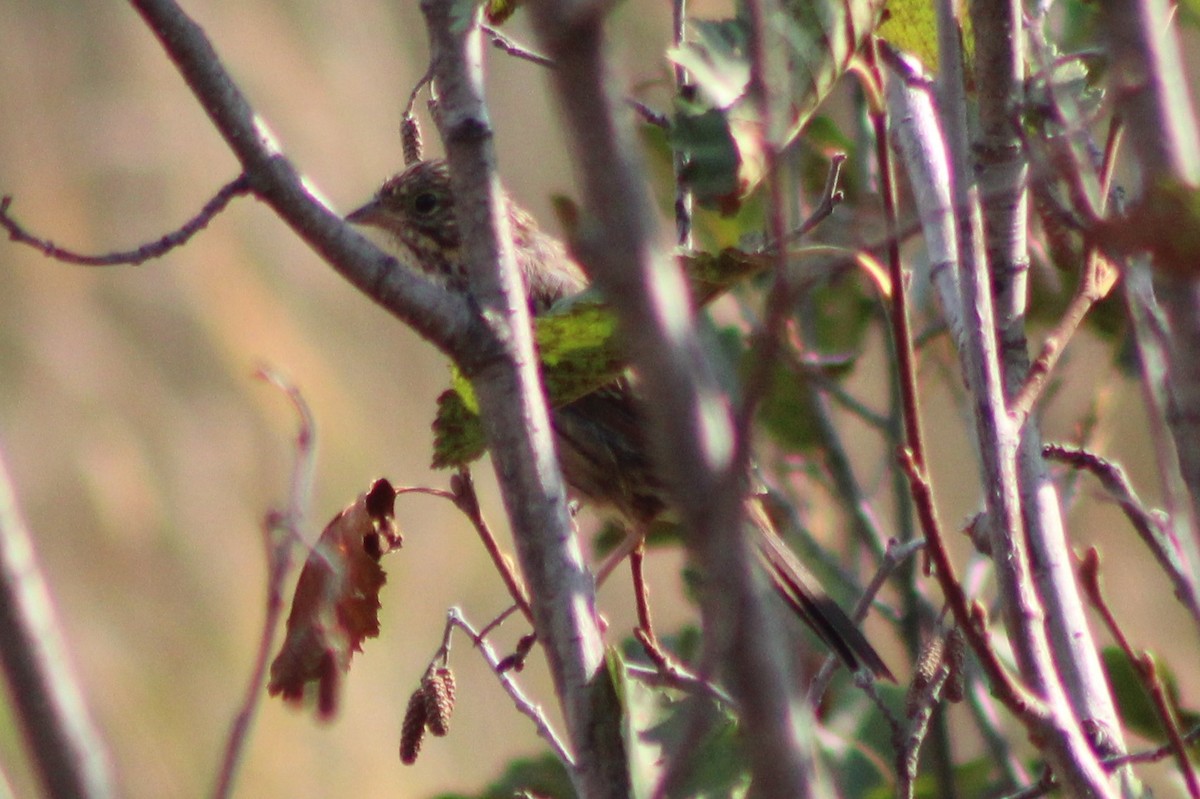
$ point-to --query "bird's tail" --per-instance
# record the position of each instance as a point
(800, 590)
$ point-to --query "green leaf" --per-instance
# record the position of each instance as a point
(1136, 709)
(714, 766)
(973, 778)
(638, 706)
(715, 58)
(498, 11)
(911, 26)
(662, 532)
(824, 36)
(457, 433)
(844, 314)
(711, 155)
(786, 412)
(579, 350)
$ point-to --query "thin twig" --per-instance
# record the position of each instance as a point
(1048, 783)
(968, 617)
(680, 679)
(463, 497)
(281, 532)
(685, 91)
(501, 617)
(923, 699)
(524, 705)
(506, 44)
(156, 249)
(425, 80)
(445, 318)
(780, 297)
(830, 198)
(1096, 278)
(641, 595)
(1149, 526)
(1143, 665)
(649, 115)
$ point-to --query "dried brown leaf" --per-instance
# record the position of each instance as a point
(336, 602)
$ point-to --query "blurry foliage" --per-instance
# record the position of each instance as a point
(1136, 708)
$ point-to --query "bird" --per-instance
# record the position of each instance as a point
(601, 437)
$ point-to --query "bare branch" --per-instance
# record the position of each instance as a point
(1151, 93)
(464, 498)
(690, 422)
(515, 416)
(440, 316)
(63, 742)
(454, 618)
(169, 241)
(998, 440)
(282, 530)
(1144, 666)
(506, 44)
(1150, 528)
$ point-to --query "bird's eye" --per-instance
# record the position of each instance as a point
(425, 203)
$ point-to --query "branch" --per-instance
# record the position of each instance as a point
(514, 413)
(1146, 669)
(1001, 168)
(1151, 528)
(440, 316)
(507, 45)
(1157, 108)
(955, 221)
(281, 532)
(176, 238)
(486, 351)
(545, 729)
(689, 420)
(462, 496)
(69, 754)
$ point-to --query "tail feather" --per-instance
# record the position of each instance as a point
(794, 584)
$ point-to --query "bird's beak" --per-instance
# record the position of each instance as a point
(369, 214)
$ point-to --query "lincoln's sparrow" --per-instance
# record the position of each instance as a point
(600, 437)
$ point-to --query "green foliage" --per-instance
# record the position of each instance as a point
(662, 533)
(911, 26)
(973, 778)
(711, 155)
(844, 313)
(1134, 705)
(714, 766)
(457, 433)
(824, 38)
(718, 132)
(580, 351)
(715, 56)
(786, 411)
(578, 346)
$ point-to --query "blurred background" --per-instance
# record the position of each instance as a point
(144, 454)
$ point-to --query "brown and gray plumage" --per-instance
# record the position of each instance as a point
(600, 437)
(417, 209)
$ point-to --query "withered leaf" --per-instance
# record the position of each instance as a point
(336, 602)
